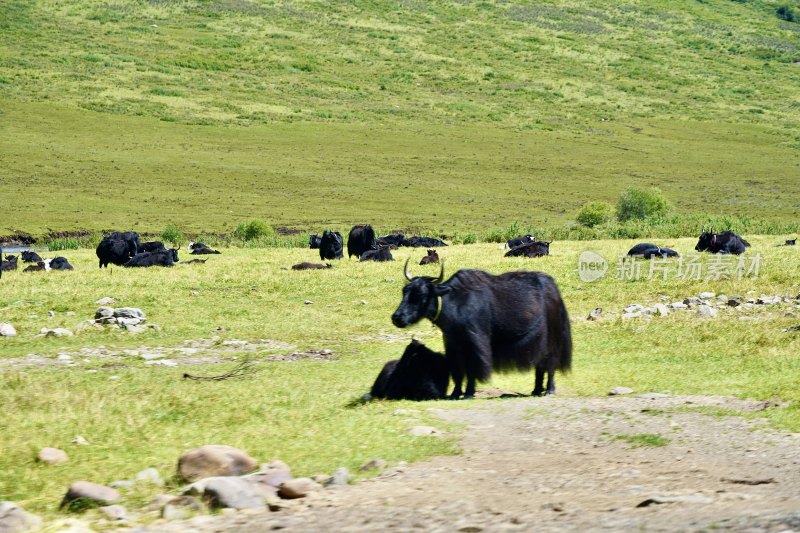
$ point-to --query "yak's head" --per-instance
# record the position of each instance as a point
(173, 252)
(419, 298)
(705, 241)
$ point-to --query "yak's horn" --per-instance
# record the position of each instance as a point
(405, 270)
(441, 273)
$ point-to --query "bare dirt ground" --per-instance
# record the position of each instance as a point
(556, 464)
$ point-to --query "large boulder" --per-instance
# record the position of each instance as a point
(214, 460)
(89, 493)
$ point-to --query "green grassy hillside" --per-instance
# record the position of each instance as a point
(412, 114)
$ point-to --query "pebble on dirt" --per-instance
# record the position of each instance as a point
(7, 330)
(92, 492)
(298, 488)
(373, 464)
(617, 391)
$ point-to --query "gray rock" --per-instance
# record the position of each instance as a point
(90, 492)
(277, 464)
(51, 314)
(706, 295)
(122, 484)
(678, 306)
(423, 431)
(618, 391)
(660, 310)
(322, 479)
(181, 508)
(114, 512)
(128, 312)
(632, 315)
(633, 308)
(104, 313)
(230, 491)
(373, 464)
(7, 330)
(595, 313)
(106, 301)
(149, 475)
(298, 488)
(80, 441)
(706, 311)
(214, 460)
(691, 301)
(52, 456)
(14, 519)
(341, 476)
(127, 322)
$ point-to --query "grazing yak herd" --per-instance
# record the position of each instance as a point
(512, 321)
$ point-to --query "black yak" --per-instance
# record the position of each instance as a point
(516, 320)
(148, 259)
(379, 253)
(313, 242)
(530, 249)
(525, 239)
(310, 266)
(130, 237)
(726, 242)
(114, 251)
(30, 257)
(199, 248)
(10, 263)
(420, 374)
(360, 240)
(395, 239)
(38, 267)
(331, 245)
(648, 251)
(422, 242)
(152, 246)
(58, 263)
(431, 258)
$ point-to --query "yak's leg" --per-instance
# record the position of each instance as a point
(538, 386)
(551, 382)
(470, 393)
(478, 359)
(458, 376)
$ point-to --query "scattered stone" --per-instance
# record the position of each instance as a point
(373, 464)
(298, 488)
(660, 309)
(14, 519)
(595, 313)
(55, 332)
(706, 311)
(706, 295)
(364, 302)
(341, 476)
(149, 475)
(633, 308)
(128, 312)
(51, 314)
(90, 492)
(52, 456)
(122, 484)
(106, 301)
(214, 460)
(632, 315)
(690, 498)
(423, 431)
(618, 391)
(80, 441)
(181, 508)
(308, 302)
(277, 464)
(232, 492)
(114, 512)
(104, 313)
(678, 306)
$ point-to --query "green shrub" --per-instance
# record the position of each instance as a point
(637, 204)
(253, 230)
(786, 13)
(172, 234)
(595, 213)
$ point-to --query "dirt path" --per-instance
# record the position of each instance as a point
(554, 464)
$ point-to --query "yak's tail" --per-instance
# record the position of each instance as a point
(559, 334)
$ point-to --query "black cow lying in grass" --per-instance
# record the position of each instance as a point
(152, 246)
(199, 248)
(648, 251)
(379, 253)
(58, 263)
(420, 374)
(395, 240)
(38, 267)
(431, 258)
(530, 249)
(726, 242)
(518, 241)
(148, 259)
(30, 257)
(310, 266)
(422, 242)
(10, 263)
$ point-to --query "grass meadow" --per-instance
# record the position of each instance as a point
(137, 415)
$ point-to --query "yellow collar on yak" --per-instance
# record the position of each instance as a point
(438, 308)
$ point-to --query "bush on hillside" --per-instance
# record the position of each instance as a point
(637, 204)
(253, 230)
(786, 13)
(595, 213)
(172, 234)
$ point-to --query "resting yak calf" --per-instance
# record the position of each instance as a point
(432, 257)
(648, 251)
(514, 321)
(420, 374)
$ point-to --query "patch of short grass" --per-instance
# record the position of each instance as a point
(642, 440)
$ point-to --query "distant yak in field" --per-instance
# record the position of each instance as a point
(648, 251)
(311, 266)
